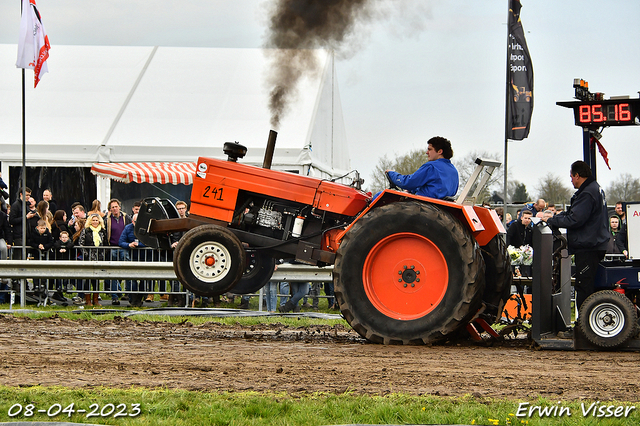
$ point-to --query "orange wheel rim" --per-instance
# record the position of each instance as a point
(405, 276)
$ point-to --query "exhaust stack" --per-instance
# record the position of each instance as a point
(271, 147)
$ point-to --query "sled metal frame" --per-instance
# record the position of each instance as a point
(551, 312)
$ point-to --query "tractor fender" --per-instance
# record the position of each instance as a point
(483, 223)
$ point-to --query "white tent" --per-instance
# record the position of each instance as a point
(156, 104)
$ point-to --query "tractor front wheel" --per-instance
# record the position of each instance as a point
(258, 271)
(209, 260)
(408, 273)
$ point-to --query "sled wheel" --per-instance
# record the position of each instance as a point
(498, 277)
(258, 271)
(408, 273)
(607, 319)
(209, 260)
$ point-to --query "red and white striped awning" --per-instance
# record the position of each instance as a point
(174, 173)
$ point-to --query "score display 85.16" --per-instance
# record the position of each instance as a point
(610, 112)
(605, 114)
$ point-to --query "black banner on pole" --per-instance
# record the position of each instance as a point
(519, 78)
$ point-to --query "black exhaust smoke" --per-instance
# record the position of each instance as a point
(298, 26)
(295, 27)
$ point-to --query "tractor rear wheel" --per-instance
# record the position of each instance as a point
(408, 273)
(498, 277)
(607, 319)
(258, 271)
(209, 260)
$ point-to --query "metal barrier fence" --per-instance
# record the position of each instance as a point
(149, 265)
(83, 253)
(79, 267)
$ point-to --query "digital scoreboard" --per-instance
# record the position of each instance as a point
(592, 111)
(603, 113)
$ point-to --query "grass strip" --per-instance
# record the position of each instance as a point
(290, 321)
(180, 407)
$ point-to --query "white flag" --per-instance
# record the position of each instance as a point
(33, 46)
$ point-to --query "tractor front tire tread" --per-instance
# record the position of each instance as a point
(470, 289)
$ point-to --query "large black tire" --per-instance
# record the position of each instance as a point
(607, 319)
(498, 277)
(408, 273)
(209, 260)
(258, 271)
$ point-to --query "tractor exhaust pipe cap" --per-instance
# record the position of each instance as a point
(271, 147)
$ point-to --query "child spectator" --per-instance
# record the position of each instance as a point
(62, 250)
(63, 247)
(41, 242)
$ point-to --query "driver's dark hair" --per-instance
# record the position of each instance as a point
(581, 169)
(439, 143)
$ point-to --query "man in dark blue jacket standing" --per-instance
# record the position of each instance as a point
(130, 247)
(586, 221)
(437, 178)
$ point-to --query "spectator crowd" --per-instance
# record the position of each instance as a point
(86, 235)
(520, 228)
(103, 235)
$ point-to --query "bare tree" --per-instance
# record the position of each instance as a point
(404, 164)
(625, 188)
(552, 190)
(379, 181)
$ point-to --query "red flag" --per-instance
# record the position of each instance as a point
(603, 152)
(33, 45)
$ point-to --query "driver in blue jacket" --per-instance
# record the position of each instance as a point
(437, 178)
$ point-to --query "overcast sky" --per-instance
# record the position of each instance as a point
(420, 69)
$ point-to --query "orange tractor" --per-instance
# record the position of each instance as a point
(407, 269)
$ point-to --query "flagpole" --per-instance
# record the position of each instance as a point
(33, 51)
(506, 120)
(24, 184)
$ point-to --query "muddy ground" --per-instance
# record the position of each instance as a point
(275, 358)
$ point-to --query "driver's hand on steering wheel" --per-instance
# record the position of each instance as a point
(392, 184)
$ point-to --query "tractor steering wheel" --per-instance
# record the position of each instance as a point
(392, 184)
